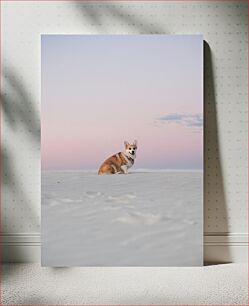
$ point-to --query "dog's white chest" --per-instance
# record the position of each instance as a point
(129, 161)
(129, 164)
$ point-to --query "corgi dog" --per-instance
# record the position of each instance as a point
(120, 162)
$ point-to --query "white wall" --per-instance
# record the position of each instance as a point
(224, 26)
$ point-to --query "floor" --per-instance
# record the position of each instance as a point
(27, 284)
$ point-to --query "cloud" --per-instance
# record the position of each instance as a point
(190, 120)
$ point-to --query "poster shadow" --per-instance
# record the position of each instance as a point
(215, 208)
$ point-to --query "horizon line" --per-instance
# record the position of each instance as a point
(134, 170)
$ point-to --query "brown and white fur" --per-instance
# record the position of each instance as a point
(120, 162)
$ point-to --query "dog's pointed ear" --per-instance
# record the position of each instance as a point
(135, 143)
(126, 143)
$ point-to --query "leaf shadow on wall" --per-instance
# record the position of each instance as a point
(97, 13)
(21, 119)
(215, 207)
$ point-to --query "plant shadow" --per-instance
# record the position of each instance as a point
(19, 118)
(95, 13)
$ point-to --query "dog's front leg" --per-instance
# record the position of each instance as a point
(124, 169)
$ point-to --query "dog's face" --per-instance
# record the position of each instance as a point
(131, 148)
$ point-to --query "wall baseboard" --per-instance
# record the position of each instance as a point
(225, 247)
(218, 247)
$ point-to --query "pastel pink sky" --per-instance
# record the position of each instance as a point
(98, 91)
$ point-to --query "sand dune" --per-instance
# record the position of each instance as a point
(145, 218)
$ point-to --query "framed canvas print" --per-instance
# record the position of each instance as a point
(122, 150)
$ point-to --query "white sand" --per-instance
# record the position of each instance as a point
(139, 219)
